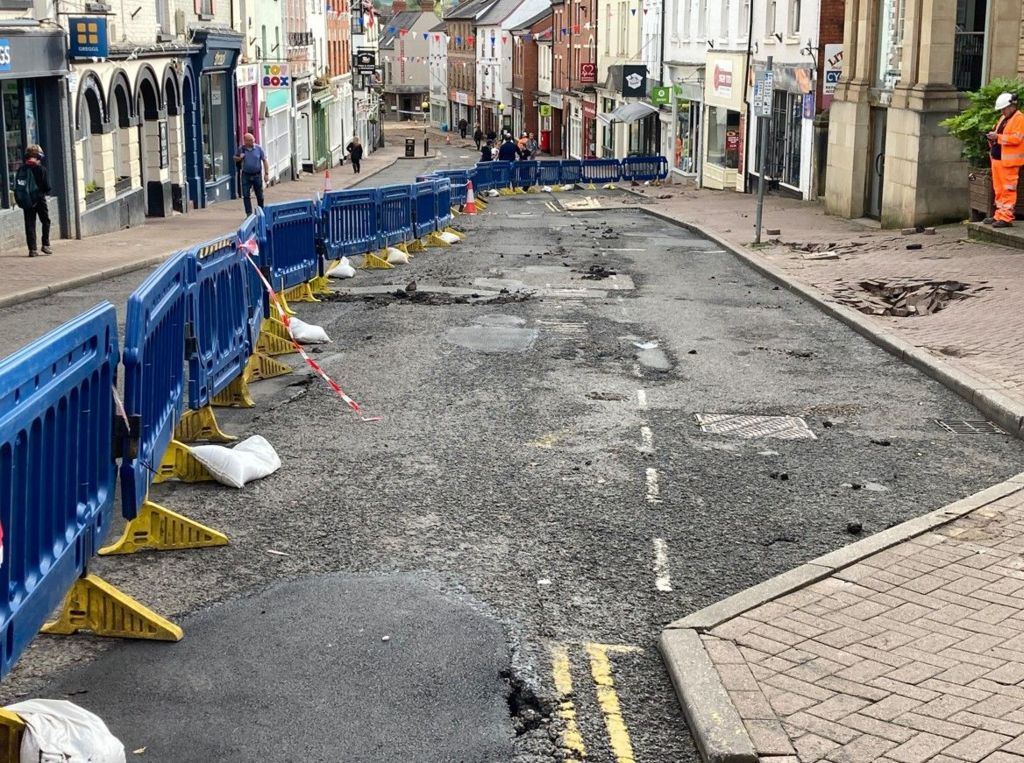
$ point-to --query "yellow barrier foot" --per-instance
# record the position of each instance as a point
(481, 204)
(591, 187)
(434, 239)
(456, 211)
(158, 529)
(260, 367)
(179, 463)
(415, 246)
(274, 338)
(11, 729)
(235, 395)
(321, 284)
(531, 189)
(201, 425)
(454, 232)
(94, 605)
(506, 192)
(375, 262)
(300, 293)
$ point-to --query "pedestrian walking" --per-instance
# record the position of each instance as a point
(478, 136)
(251, 160)
(30, 188)
(463, 126)
(1006, 143)
(355, 153)
(487, 152)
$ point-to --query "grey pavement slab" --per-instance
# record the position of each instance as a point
(325, 668)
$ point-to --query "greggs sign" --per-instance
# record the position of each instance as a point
(722, 81)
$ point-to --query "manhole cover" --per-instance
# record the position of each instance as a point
(750, 427)
(969, 427)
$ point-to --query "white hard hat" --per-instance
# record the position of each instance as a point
(1003, 101)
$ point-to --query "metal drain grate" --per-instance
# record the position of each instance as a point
(963, 426)
(751, 427)
(571, 328)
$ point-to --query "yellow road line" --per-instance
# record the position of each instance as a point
(601, 670)
(572, 740)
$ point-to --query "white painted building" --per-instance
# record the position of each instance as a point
(438, 53)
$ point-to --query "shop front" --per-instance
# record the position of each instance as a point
(340, 117)
(34, 109)
(462, 105)
(589, 129)
(302, 93)
(323, 100)
(247, 102)
(210, 117)
(683, 134)
(723, 122)
(276, 121)
(791, 138)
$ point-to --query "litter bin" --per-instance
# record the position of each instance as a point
(410, 148)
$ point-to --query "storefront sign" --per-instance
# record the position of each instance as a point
(721, 78)
(661, 95)
(833, 73)
(555, 99)
(220, 58)
(589, 110)
(545, 110)
(634, 81)
(276, 75)
(88, 37)
(247, 75)
(5, 55)
(808, 106)
(366, 61)
(588, 72)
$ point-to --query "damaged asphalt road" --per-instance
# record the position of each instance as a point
(539, 500)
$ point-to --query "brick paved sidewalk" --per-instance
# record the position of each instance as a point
(982, 335)
(912, 654)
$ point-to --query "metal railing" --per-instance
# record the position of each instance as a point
(968, 59)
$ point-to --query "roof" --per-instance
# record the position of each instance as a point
(398, 22)
(439, 27)
(469, 10)
(525, 26)
(510, 13)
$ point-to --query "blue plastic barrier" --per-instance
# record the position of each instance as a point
(395, 204)
(502, 174)
(57, 469)
(642, 168)
(570, 172)
(524, 174)
(548, 173)
(485, 177)
(258, 304)
(154, 370)
(349, 222)
(443, 202)
(424, 208)
(460, 193)
(289, 232)
(601, 171)
(219, 320)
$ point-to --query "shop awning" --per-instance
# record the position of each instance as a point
(628, 113)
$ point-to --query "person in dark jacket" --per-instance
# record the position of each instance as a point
(508, 151)
(478, 136)
(486, 152)
(463, 126)
(355, 153)
(492, 136)
(34, 158)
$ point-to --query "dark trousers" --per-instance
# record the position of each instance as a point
(355, 164)
(252, 182)
(42, 211)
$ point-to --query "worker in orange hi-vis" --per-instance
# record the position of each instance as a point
(1007, 150)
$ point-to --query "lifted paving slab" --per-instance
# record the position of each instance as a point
(905, 646)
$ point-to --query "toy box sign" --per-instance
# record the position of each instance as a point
(276, 76)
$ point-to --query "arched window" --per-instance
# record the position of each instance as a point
(90, 128)
(121, 118)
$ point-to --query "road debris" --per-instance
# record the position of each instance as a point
(903, 298)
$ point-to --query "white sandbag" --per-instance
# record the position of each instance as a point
(60, 730)
(546, 189)
(397, 256)
(493, 192)
(251, 459)
(448, 237)
(308, 333)
(343, 269)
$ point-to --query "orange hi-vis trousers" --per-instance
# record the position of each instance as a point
(1004, 183)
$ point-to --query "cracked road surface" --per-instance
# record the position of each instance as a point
(538, 502)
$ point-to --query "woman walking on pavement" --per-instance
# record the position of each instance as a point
(478, 136)
(355, 153)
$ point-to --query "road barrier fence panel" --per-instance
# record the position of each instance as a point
(349, 222)
(395, 204)
(549, 173)
(424, 208)
(570, 171)
(289, 232)
(601, 171)
(644, 168)
(443, 201)
(258, 304)
(524, 174)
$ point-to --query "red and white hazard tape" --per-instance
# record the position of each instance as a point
(250, 248)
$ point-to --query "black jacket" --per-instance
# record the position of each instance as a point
(508, 151)
(42, 181)
(355, 151)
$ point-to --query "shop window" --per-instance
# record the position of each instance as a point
(794, 18)
(784, 146)
(163, 17)
(723, 137)
(120, 117)
(702, 20)
(91, 146)
(214, 126)
(14, 131)
(890, 42)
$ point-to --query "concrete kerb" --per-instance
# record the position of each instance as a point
(983, 394)
(38, 292)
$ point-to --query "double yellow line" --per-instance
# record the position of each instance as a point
(607, 700)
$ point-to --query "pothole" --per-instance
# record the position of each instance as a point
(904, 298)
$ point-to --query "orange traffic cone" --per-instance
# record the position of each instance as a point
(469, 208)
(327, 180)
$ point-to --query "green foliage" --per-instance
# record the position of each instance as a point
(91, 187)
(971, 125)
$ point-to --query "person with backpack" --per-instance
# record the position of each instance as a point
(30, 189)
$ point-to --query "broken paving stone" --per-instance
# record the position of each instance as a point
(774, 232)
(854, 528)
(904, 298)
(913, 247)
(783, 476)
(883, 443)
(606, 396)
